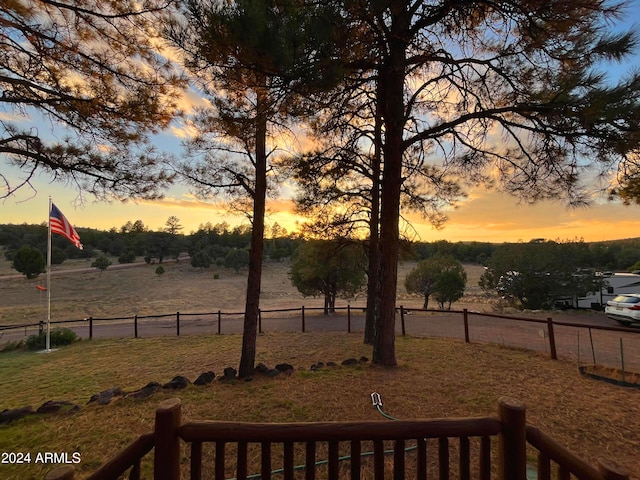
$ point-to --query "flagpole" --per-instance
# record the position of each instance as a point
(48, 341)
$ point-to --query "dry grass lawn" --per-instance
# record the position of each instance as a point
(126, 292)
(434, 378)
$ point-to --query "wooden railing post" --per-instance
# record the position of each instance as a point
(90, 328)
(60, 473)
(512, 449)
(178, 324)
(404, 332)
(611, 470)
(303, 320)
(552, 339)
(135, 326)
(219, 321)
(166, 463)
(259, 321)
(348, 318)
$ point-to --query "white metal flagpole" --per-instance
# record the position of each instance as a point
(48, 341)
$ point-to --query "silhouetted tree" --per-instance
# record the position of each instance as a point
(455, 76)
(95, 68)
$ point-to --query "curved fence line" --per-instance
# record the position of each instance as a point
(585, 343)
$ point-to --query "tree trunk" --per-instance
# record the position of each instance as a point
(256, 251)
(392, 91)
(373, 285)
(426, 301)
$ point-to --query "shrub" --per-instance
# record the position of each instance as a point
(29, 261)
(59, 338)
(127, 257)
(216, 276)
(159, 270)
(11, 346)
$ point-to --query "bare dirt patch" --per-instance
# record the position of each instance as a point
(182, 288)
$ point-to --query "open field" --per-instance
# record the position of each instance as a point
(138, 290)
(434, 378)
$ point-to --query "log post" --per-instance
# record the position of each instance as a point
(348, 318)
(60, 473)
(611, 470)
(219, 321)
(512, 445)
(90, 328)
(178, 324)
(303, 320)
(135, 325)
(166, 462)
(404, 332)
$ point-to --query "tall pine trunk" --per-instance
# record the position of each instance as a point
(392, 92)
(256, 250)
(373, 274)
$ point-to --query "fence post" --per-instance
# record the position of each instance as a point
(611, 470)
(259, 321)
(178, 323)
(166, 462)
(552, 339)
(303, 320)
(135, 325)
(348, 318)
(219, 321)
(465, 318)
(512, 443)
(90, 328)
(402, 320)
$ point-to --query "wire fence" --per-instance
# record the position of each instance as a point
(586, 344)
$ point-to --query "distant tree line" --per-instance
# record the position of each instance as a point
(210, 244)
(214, 242)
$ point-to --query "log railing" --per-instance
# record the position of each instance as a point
(222, 450)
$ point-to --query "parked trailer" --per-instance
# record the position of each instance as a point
(615, 284)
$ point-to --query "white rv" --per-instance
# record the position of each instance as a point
(615, 284)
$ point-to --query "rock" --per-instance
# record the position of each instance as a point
(261, 368)
(7, 416)
(151, 385)
(146, 391)
(53, 406)
(350, 361)
(284, 367)
(332, 364)
(177, 383)
(205, 378)
(105, 396)
(363, 359)
(230, 373)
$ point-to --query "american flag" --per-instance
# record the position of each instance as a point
(59, 224)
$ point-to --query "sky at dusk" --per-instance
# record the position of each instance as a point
(485, 215)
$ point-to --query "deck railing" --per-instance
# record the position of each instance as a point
(237, 449)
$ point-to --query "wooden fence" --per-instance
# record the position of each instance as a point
(234, 453)
(411, 321)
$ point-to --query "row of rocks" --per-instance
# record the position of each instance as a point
(51, 406)
(176, 383)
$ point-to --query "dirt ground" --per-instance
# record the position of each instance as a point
(125, 292)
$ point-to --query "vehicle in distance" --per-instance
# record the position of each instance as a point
(624, 309)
